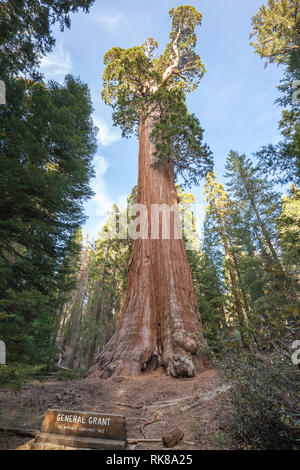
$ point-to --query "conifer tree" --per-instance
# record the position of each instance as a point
(219, 208)
(47, 144)
(25, 31)
(160, 323)
(277, 30)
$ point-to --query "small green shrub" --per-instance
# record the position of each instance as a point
(70, 374)
(221, 439)
(265, 386)
(16, 375)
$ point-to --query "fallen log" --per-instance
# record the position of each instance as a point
(137, 441)
(207, 396)
(174, 401)
(34, 433)
(129, 405)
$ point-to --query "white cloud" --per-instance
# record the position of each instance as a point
(100, 206)
(111, 22)
(101, 165)
(101, 198)
(106, 134)
(57, 64)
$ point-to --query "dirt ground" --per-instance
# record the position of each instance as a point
(197, 405)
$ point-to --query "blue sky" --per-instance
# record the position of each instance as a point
(234, 102)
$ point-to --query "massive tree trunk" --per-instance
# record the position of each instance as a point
(160, 321)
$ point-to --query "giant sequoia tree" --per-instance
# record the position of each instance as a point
(160, 321)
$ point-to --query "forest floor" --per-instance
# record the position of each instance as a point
(200, 406)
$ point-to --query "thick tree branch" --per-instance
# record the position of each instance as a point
(170, 70)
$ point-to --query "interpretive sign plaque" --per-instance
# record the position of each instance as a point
(83, 429)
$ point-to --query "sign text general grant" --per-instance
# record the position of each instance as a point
(80, 419)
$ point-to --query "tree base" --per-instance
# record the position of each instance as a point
(177, 365)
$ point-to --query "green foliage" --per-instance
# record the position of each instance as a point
(265, 384)
(90, 316)
(16, 375)
(210, 297)
(179, 138)
(256, 197)
(25, 30)
(280, 160)
(277, 29)
(188, 69)
(252, 238)
(220, 213)
(283, 159)
(138, 86)
(249, 183)
(47, 144)
(221, 439)
(70, 374)
(288, 225)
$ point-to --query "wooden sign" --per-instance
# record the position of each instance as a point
(84, 429)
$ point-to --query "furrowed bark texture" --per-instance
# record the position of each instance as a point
(160, 321)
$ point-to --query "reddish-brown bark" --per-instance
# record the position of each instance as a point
(160, 321)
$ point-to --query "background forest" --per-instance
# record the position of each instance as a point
(60, 293)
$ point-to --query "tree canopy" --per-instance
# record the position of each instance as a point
(277, 31)
(276, 27)
(25, 30)
(47, 142)
(138, 84)
(47, 145)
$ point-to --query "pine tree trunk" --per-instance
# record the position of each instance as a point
(98, 313)
(233, 280)
(264, 232)
(281, 277)
(160, 322)
(244, 295)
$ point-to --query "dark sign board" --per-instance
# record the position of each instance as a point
(85, 424)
